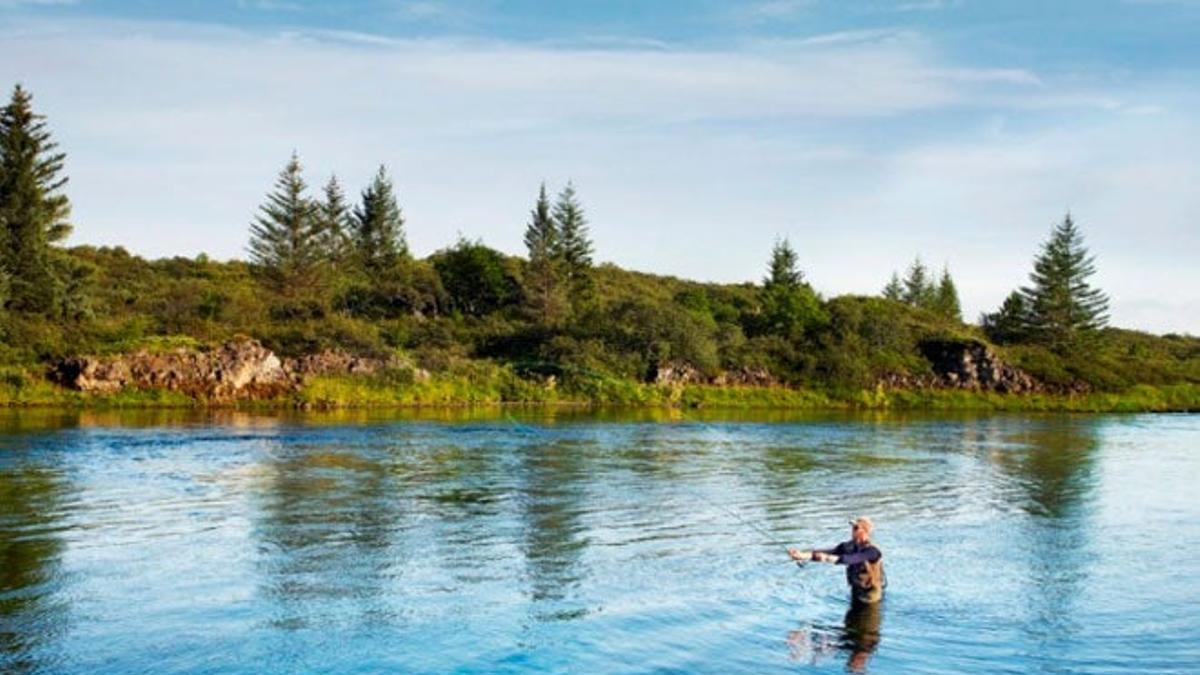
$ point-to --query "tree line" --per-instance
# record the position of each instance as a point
(323, 253)
(328, 268)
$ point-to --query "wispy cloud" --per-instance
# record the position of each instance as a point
(768, 10)
(270, 5)
(825, 138)
(925, 5)
(32, 3)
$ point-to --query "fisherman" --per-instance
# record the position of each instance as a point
(863, 561)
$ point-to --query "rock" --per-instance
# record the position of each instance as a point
(677, 372)
(337, 362)
(746, 377)
(241, 369)
(969, 364)
(680, 372)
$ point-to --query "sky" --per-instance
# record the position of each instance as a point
(695, 132)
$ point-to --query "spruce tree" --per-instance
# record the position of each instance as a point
(918, 289)
(543, 276)
(33, 208)
(893, 290)
(789, 304)
(784, 271)
(574, 247)
(1010, 323)
(946, 297)
(1062, 305)
(334, 222)
(378, 228)
(284, 238)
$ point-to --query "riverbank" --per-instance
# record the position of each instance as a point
(501, 386)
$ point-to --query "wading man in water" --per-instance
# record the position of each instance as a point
(863, 561)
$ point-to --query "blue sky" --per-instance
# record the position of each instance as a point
(696, 132)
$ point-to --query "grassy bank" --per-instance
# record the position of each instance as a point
(489, 384)
(368, 392)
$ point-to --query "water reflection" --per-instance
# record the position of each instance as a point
(343, 544)
(857, 638)
(325, 532)
(34, 612)
(1056, 472)
(553, 476)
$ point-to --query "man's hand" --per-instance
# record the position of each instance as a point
(800, 556)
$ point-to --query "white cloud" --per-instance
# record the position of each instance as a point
(925, 5)
(270, 5)
(769, 10)
(689, 161)
(31, 3)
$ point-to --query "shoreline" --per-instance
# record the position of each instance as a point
(354, 394)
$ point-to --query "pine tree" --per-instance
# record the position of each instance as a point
(284, 238)
(574, 247)
(33, 209)
(1061, 304)
(334, 222)
(789, 305)
(893, 290)
(543, 276)
(918, 289)
(946, 297)
(378, 228)
(1010, 323)
(784, 271)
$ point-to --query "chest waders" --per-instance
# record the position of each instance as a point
(867, 584)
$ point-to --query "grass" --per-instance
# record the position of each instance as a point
(484, 384)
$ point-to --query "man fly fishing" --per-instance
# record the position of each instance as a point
(863, 561)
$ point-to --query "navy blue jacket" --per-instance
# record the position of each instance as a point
(854, 556)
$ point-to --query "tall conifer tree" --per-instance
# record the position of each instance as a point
(894, 290)
(789, 305)
(574, 246)
(784, 271)
(334, 220)
(284, 238)
(945, 300)
(919, 290)
(1061, 304)
(543, 276)
(378, 236)
(33, 208)
(1010, 323)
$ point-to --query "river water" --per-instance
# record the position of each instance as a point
(617, 542)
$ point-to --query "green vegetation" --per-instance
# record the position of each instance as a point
(918, 290)
(1060, 310)
(482, 327)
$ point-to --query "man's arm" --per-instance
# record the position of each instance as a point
(870, 555)
(815, 554)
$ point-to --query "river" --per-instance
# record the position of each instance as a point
(535, 540)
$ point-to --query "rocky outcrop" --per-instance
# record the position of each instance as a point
(242, 369)
(969, 364)
(677, 372)
(680, 373)
(746, 377)
(236, 370)
(335, 362)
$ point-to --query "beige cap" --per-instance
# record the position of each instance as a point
(865, 523)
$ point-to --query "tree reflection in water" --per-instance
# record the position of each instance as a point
(325, 533)
(553, 474)
(1055, 471)
(34, 612)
